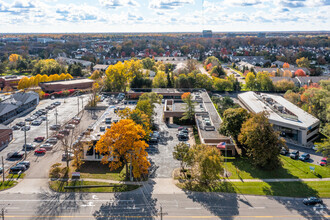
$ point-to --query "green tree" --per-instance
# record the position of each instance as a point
(283, 85)
(264, 82)
(207, 165)
(324, 145)
(222, 84)
(189, 113)
(232, 121)
(148, 63)
(181, 153)
(250, 81)
(160, 80)
(261, 143)
(48, 67)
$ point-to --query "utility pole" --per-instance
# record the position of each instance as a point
(25, 153)
(3, 172)
(56, 114)
(161, 213)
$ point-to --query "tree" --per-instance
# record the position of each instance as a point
(138, 117)
(94, 95)
(261, 143)
(123, 143)
(206, 164)
(13, 58)
(189, 113)
(222, 85)
(48, 67)
(303, 62)
(232, 121)
(23, 83)
(213, 60)
(117, 77)
(264, 82)
(324, 145)
(283, 85)
(250, 81)
(181, 152)
(75, 69)
(160, 80)
(148, 63)
(96, 75)
(300, 72)
(286, 65)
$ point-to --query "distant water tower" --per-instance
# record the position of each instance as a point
(207, 34)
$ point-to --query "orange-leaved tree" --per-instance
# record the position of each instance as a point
(286, 65)
(123, 143)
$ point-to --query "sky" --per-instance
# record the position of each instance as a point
(67, 16)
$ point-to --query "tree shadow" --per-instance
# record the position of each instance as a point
(222, 205)
(165, 137)
(55, 204)
(138, 205)
(280, 191)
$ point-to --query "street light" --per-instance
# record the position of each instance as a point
(46, 125)
(25, 153)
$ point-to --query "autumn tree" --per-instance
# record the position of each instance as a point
(286, 65)
(232, 121)
(263, 82)
(96, 75)
(181, 152)
(206, 164)
(261, 143)
(300, 72)
(160, 80)
(250, 81)
(138, 116)
(303, 62)
(117, 77)
(222, 84)
(23, 83)
(123, 144)
(189, 113)
(48, 67)
(283, 85)
(13, 58)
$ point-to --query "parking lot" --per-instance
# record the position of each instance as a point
(67, 109)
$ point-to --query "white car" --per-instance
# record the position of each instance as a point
(70, 126)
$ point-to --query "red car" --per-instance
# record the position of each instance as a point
(39, 139)
(323, 161)
(74, 122)
(59, 136)
(40, 151)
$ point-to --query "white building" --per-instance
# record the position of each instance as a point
(296, 126)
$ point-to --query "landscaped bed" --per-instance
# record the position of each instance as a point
(8, 184)
(59, 186)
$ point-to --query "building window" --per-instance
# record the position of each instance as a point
(313, 129)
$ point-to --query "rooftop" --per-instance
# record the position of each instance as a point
(66, 82)
(279, 109)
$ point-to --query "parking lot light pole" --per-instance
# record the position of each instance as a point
(3, 172)
(78, 103)
(56, 114)
(25, 154)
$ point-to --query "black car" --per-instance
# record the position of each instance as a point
(15, 127)
(17, 169)
(284, 151)
(21, 124)
(15, 155)
(25, 163)
(29, 146)
(294, 154)
(312, 201)
(305, 157)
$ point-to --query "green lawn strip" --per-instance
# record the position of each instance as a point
(59, 186)
(8, 184)
(97, 170)
(289, 189)
(15, 176)
(290, 169)
(195, 131)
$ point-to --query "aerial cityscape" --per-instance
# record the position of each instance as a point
(164, 109)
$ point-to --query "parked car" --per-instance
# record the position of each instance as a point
(43, 118)
(17, 169)
(108, 120)
(40, 151)
(312, 201)
(294, 154)
(305, 157)
(74, 122)
(57, 103)
(52, 140)
(64, 132)
(20, 124)
(26, 128)
(76, 118)
(36, 123)
(102, 128)
(25, 163)
(115, 121)
(70, 126)
(15, 127)
(183, 136)
(284, 151)
(29, 119)
(324, 161)
(39, 139)
(15, 155)
(29, 146)
(59, 136)
(47, 147)
(55, 127)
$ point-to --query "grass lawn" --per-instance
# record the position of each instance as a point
(58, 186)
(290, 189)
(97, 170)
(8, 184)
(290, 169)
(15, 176)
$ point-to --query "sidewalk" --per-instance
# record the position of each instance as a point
(278, 180)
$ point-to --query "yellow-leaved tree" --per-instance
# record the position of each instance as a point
(23, 83)
(14, 58)
(124, 143)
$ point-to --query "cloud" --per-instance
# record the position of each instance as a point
(243, 2)
(118, 3)
(169, 4)
(302, 3)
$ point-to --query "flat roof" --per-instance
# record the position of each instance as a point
(300, 118)
(67, 82)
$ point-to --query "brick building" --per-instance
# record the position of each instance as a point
(6, 136)
(11, 81)
(57, 86)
